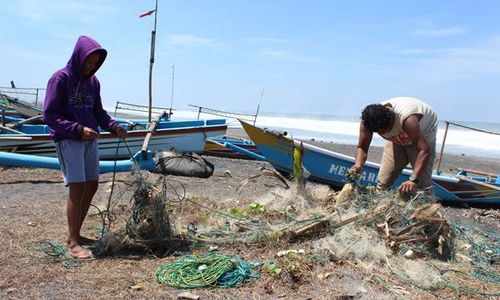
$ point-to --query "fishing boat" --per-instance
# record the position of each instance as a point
(180, 136)
(232, 148)
(331, 168)
(16, 107)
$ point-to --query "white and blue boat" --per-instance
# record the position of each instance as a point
(331, 168)
(168, 135)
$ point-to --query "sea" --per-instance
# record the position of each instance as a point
(345, 130)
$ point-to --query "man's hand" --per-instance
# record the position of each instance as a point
(407, 186)
(354, 170)
(121, 132)
(89, 133)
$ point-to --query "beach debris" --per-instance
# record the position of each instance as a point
(345, 193)
(137, 287)
(265, 172)
(286, 252)
(409, 254)
(188, 296)
(31, 224)
(322, 276)
(492, 213)
(227, 173)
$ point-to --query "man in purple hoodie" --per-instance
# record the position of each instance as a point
(73, 111)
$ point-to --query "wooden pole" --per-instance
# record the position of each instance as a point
(151, 130)
(11, 130)
(442, 148)
(477, 182)
(479, 172)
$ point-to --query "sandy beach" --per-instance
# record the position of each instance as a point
(32, 206)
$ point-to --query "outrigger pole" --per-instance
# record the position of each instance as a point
(151, 62)
(151, 125)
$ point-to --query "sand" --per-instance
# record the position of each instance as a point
(32, 208)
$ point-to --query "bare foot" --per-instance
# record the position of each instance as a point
(78, 252)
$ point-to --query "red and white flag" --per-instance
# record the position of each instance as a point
(148, 13)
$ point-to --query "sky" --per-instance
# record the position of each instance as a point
(317, 57)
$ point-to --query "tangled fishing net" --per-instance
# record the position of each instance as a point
(148, 225)
(392, 239)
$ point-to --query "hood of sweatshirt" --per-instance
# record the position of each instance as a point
(85, 46)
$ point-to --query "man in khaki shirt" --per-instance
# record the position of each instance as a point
(409, 126)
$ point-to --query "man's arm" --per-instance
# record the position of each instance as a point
(412, 128)
(364, 141)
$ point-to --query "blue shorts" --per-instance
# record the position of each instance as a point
(79, 160)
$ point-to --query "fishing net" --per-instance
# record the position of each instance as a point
(393, 239)
(148, 224)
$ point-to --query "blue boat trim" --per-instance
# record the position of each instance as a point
(27, 160)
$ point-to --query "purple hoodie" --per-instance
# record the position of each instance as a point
(73, 101)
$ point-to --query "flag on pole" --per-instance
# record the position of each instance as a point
(148, 13)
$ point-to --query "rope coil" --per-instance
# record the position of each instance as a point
(206, 269)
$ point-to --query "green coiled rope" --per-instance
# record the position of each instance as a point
(205, 269)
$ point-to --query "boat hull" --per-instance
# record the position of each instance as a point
(181, 139)
(331, 168)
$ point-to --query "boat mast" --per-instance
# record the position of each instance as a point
(151, 62)
(258, 106)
